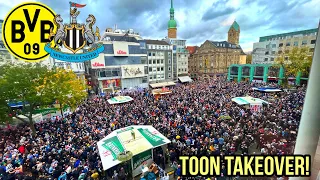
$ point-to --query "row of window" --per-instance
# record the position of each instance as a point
(286, 51)
(165, 47)
(289, 37)
(153, 69)
(184, 70)
(295, 43)
(158, 61)
(156, 77)
(156, 53)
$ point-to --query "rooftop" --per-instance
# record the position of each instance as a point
(158, 42)
(192, 49)
(226, 44)
(303, 32)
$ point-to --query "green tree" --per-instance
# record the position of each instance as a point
(66, 87)
(23, 82)
(294, 61)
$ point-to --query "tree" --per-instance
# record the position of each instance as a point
(249, 59)
(23, 82)
(294, 61)
(65, 87)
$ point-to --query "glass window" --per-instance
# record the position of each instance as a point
(144, 79)
(146, 70)
(272, 59)
(295, 43)
(169, 68)
(150, 69)
(158, 61)
(304, 42)
(273, 52)
(149, 53)
(169, 75)
(153, 54)
(161, 61)
(288, 44)
(169, 61)
(265, 59)
(161, 68)
(150, 62)
(154, 61)
(158, 69)
(281, 44)
(313, 41)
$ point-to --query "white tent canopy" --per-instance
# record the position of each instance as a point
(249, 100)
(184, 79)
(120, 99)
(144, 138)
(163, 84)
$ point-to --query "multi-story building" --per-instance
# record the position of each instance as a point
(270, 47)
(160, 64)
(192, 64)
(122, 64)
(214, 57)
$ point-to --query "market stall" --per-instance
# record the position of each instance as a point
(120, 99)
(255, 104)
(159, 92)
(133, 144)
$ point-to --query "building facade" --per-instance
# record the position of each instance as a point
(234, 33)
(191, 64)
(270, 47)
(262, 73)
(160, 64)
(122, 64)
(172, 24)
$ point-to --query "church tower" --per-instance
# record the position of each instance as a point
(172, 24)
(234, 33)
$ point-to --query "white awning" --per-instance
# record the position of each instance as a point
(184, 79)
(164, 84)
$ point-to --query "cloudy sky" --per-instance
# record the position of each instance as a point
(198, 20)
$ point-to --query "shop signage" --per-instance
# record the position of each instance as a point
(132, 71)
(96, 64)
(121, 52)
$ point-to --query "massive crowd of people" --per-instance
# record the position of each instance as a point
(66, 148)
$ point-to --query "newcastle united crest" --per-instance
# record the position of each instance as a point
(74, 37)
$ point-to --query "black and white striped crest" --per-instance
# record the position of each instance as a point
(75, 38)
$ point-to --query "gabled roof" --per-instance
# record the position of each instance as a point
(192, 49)
(226, 44)
(158, 42)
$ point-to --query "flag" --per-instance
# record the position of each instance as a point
(72, 4)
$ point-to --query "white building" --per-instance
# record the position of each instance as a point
(160, 64)
(122, 64)
(270, 47)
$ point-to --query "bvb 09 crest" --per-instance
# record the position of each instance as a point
(75, 36)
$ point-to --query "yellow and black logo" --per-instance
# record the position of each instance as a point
(26, 31)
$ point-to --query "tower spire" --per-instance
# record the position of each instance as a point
(172, 4)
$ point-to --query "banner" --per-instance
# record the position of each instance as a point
(132, 71)
(255, 108)
(120, 48)
(98, 62)
(119, 99)
(144, 158)
(74, 57)
(151, 137)
(113, 147)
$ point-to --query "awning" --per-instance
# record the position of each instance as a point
(136, 139)
(267, 89)
(164, 84)
(120, 99)
(184, 79)
(248, 100)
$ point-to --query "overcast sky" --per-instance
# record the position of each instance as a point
(198, 20)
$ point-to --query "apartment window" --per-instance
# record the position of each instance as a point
(274, 45)
(158, 61)
(295, 43)
(281, 44)
(267, 53)
(150, 69)
(161, 68)
(311, 50)
(288, 44)
(273, 52)
(313, 41)
(150, 61)
(143, 60)
(149, 53)
(162, 76)
(272, 59)
(150, 77)
(304, 42)
(161, 61)
(154, 61)
(169, 61)
(144, 80)
(169, 68)
(185, 69)
(158, 69)
(169, 75)
(265, 59)
(153, 54)
(146, 70)
(154, 76)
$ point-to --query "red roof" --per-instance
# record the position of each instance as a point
(192, 49)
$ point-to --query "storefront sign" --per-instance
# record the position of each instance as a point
(98, 62)
(139, 160)
(132, 71)
(120, 48)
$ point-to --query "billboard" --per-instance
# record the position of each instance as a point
(120, 48)
(131, 71)
(98, 62)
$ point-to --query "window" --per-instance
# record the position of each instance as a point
(150, 61)
(149, 53)
(153, 54)
(169, 61)
(169, 75)
(313, 41)
(158, 61)
(179, 55)
(161, 68)
(304, 42)
(146, 70)
(169, 68)
(179, 70)
(185, 69)
(295, 43)
(162, 76)
(150, 77)
(143, 60)
(274, 45)
(154, 76)
(154, 61)
(150, 69)
(288, 44)
(281, 44)
(161, 61)
(265, 59)
(158, 69)
(272, 59)
(267, 46)
(311, 50)
(267, 53)
(144, 79)
(273, 52)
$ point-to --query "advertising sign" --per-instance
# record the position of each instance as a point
(98, 62)
(144, 158)
(132, 71)
(120, 48)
